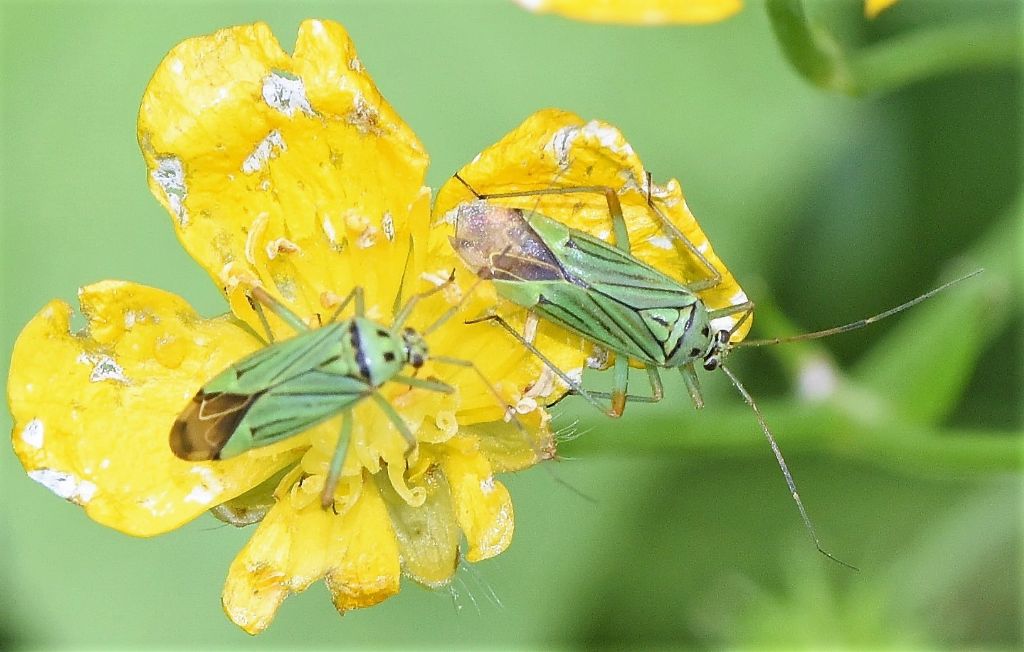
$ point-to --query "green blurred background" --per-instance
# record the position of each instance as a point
(669, 528)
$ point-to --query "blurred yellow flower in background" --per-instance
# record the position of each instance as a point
(639, 12)
(658, 12)
(292, 173)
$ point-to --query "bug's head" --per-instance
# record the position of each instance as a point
(415, 347)
(717, 349)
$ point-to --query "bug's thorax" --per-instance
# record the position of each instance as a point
(684, 333)
(381, 353)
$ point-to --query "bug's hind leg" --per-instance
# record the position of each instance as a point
(609, 194)
(574, 386)
(673, 232)
(337, 461)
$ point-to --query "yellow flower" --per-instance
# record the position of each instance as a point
(658, 12)
(292, 173)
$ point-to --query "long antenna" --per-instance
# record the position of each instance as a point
(785, 469)
(860, 323)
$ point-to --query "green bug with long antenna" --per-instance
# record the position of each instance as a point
(611, 298)
(290, 386)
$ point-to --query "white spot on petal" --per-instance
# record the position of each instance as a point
(286, 94)
(170, 176)
(608, 136)
(32, 433)
(66, 485)
(207, 490)
(104, 368)
(268, 148)
(487, 485)
(660, 241)
(562, 142)
(387, 223)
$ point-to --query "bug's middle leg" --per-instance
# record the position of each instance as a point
(657, 389)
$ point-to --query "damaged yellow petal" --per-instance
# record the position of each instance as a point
(291, 171)
(483, 506)
(638, 12)
(428, 534)
(292, 548)
(557, 149)
(93, 410)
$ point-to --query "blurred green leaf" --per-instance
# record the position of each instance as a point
(928, 51)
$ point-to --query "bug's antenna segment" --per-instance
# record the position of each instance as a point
(860, 323)
(785, 468)
(406, 310)
(450, 312)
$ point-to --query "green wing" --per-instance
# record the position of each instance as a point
(595, 264)
(274, 393)
(599, 319)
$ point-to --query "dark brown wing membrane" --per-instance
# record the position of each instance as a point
(499, 244)
(206, 424)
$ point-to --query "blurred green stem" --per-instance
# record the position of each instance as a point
(733, 431)
(895, 62)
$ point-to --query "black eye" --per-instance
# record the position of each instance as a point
(704, 331)
(389, 356)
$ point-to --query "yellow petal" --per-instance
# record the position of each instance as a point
(483, 506)
(874, 7)
(289, 171)
(557, 149)
(639, 12)
(292, 548)
(93, 410)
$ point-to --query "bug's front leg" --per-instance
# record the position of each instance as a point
(282, 311)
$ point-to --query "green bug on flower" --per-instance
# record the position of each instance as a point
(609, 297)
(290, 386)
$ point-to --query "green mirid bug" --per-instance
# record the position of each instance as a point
(620, 303)
(290, 386)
